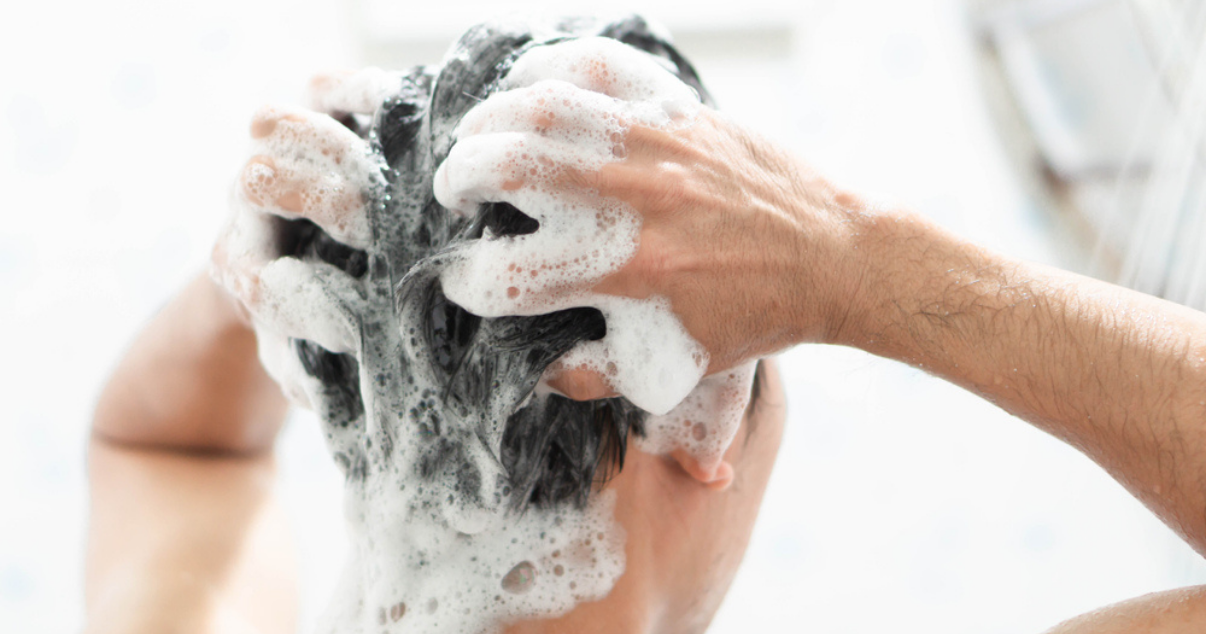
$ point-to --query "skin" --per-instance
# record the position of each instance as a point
(1117, 374)
(756, 253)
(185, 536)
(183, 435)
(682, 558)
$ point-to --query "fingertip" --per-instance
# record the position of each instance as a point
(581, 384)
(345, 91)
(322, 84)
(265, 120)
(262, 124)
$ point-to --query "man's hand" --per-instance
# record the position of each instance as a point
(192, 380)
(306, 166)
(755, 253)
(184, 534)
(751, 249)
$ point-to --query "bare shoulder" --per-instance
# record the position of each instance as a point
(1180, 611)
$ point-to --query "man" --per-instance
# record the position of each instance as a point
(182, 542)
(755, 253)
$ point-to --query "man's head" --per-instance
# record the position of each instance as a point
(473, 494)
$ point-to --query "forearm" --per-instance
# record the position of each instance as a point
(182, 543)
(182, 535)
(1180, 611)
(192, 381)
(1118, 374)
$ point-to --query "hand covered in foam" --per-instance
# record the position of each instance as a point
(720, 214)
(306, 179)
(564, 111)
(333, 250)
(653, 209)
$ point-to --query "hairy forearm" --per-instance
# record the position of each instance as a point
(1118, 374)
(192, 381)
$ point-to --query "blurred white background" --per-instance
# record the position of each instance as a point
(899, 503)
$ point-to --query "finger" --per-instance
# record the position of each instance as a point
(602, 65)
(550, 108)
(309, 165)
(506, 166)
(484, 168)
(353, 92)
(537, 273)
(298, 299)
(646, 354)
(578, 383)
(282, 364)
(247, 243)
(304, 300)
(578, 243)
(326, 198)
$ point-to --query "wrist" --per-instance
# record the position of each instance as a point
(929, 298)
(847, 270)
(895, 267)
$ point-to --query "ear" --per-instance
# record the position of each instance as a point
(717, 476)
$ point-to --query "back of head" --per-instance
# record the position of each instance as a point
(468, 488)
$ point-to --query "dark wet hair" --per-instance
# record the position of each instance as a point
(553, 450)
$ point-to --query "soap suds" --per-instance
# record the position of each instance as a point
(705, 423)
(515, 148)
(383, 311)
(312, 166)
(353, 92)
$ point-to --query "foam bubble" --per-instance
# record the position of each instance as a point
(428, 580)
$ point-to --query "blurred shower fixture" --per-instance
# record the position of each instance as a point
(1100, 104)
